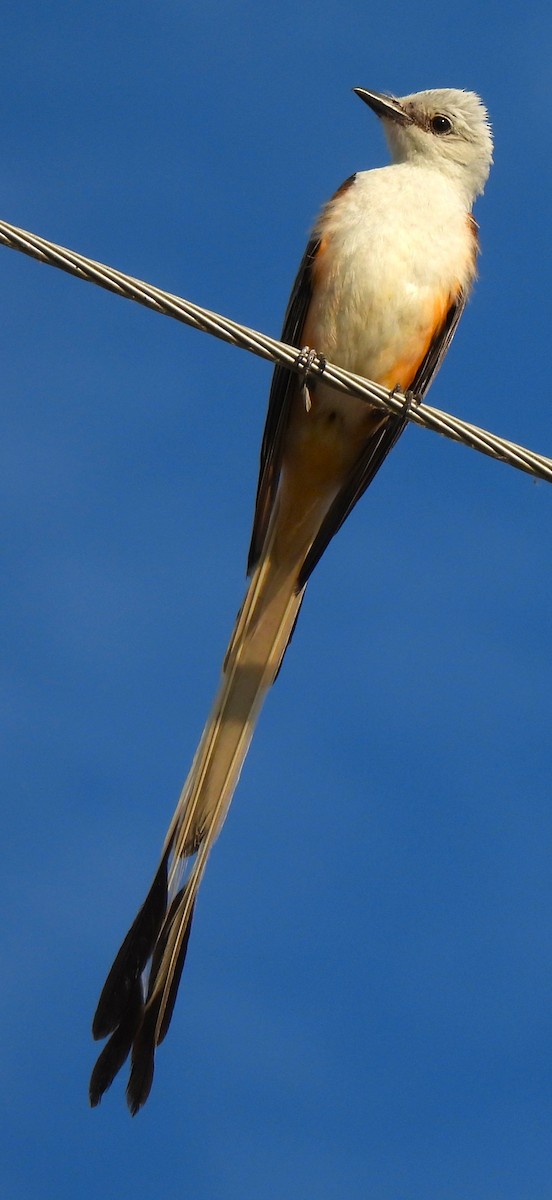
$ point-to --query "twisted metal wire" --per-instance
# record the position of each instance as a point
(266, 347)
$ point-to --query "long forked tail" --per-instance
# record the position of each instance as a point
(161, 930)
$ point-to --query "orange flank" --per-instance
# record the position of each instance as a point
(404, 371)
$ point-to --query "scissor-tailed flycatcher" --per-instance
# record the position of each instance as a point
(380, 290)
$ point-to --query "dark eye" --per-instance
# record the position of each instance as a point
(441, 124)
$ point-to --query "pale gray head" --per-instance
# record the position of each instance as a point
(443, 128)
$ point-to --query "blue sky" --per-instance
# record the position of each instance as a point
(367, 1006)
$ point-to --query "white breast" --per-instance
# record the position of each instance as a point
(394, 246)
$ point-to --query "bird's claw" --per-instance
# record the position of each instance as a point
(309, 363)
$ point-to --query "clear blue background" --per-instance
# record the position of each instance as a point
(367, 1006)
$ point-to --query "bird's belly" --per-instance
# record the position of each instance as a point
(376, 324)
(379, 299)
(384, 338)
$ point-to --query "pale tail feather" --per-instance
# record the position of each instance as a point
(161, 930)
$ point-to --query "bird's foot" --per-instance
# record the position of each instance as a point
(309, 363)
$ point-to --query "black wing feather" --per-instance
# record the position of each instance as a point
(284, 383)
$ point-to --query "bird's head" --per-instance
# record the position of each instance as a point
(443, 128)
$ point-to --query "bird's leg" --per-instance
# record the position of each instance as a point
(309, 363)
(411, 399)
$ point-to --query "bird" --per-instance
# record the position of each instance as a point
(383, 282)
